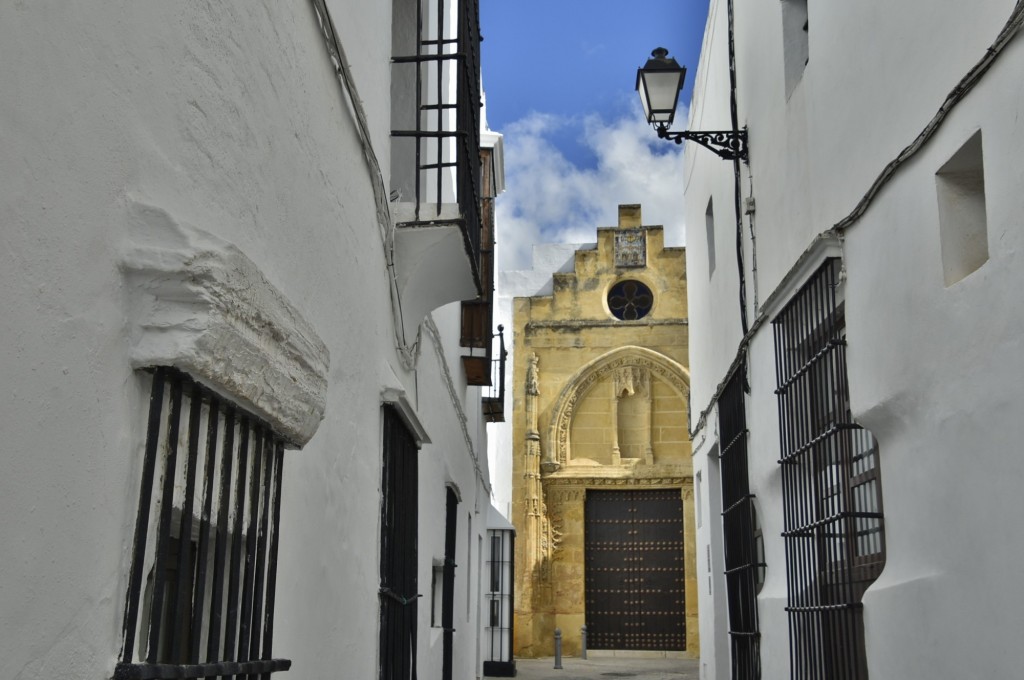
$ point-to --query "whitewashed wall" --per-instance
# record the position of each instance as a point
(228, 118)
(933, 369)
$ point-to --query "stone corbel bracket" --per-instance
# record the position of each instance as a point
(197, 303)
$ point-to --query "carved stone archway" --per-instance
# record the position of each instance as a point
(670, 371)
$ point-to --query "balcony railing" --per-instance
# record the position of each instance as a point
(445, 122)
(494, 395)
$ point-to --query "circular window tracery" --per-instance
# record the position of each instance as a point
(630, 300)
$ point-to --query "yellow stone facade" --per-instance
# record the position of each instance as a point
(600, 403)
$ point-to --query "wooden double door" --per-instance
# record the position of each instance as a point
(634, 575)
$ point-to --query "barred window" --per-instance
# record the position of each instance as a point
(498, 638)
(448, 587)
(744, 562)
(201, 589)
(833, 522)
(399, 520)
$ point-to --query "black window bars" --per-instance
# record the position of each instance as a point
(398, 543)
(832, 503)
(500, 595)
(743, 563)
(448, 588)
(444, 141)
(201, 589)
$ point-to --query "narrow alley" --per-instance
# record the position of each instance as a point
(600, 667)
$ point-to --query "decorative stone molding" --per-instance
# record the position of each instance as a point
(555, 531)
(628, 357)
(631, 380)
(197, 303)
(558, 484)
(578, 324)
(532, 375)
(573, 494)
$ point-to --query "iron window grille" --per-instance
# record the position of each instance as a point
(496, 563)
(201, 587)
(448, 588)
(743, 562)
(500, 596)
(398, 549)
(445, 125)
(832, 501)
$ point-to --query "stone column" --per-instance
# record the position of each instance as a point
(649, 447)
(616, 452)
(534, 528)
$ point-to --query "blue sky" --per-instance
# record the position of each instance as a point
(559, 77)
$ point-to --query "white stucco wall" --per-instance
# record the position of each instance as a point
(231, 119)
(932, 368)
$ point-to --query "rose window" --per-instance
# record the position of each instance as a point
(630, 300)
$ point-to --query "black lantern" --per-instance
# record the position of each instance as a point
(658, 83)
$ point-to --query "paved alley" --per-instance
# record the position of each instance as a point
(608, 668)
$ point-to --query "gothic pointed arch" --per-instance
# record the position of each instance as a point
(618, 360)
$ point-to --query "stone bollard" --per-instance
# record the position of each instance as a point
(558, 649)
(583, 642)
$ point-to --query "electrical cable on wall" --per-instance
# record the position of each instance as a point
(435, 340)
(966, 84)
(408, 354)
(737, 179)
(837, 232)
(750, 208)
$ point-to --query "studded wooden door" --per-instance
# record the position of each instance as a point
(634, 570)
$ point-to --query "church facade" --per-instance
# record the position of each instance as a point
(602, 481)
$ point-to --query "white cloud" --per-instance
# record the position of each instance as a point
(548, 199)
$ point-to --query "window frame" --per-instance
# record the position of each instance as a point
(500, 596)
(744, 564)
(437, 56)
(176, 502)
(448, 586)
(821, 446)
(398, 548)
(630, 299)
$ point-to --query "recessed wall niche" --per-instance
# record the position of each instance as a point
(963, 224)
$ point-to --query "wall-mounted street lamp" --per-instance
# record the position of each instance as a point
(658, 83)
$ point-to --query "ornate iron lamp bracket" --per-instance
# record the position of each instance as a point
(728, 144)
